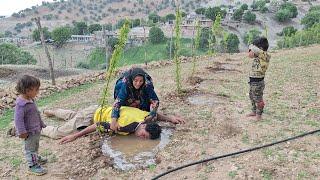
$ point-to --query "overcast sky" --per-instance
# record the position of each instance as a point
(8, 7)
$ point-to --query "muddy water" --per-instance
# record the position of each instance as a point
(130, 152)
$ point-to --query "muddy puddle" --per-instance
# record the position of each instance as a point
(130, 152)
(205, 99)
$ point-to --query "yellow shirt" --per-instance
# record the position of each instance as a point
(128, 115)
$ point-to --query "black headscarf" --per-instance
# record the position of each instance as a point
(134, 72)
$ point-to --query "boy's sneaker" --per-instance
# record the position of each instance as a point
(37, 170)
(42, 160)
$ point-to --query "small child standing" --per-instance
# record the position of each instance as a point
(28, 122)
(258, 51)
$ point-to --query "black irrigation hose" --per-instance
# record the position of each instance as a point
(235, 153)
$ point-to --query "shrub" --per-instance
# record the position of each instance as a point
(249, 17)
(94, 27)
(244, 7)
(11, 54)
(238, 15)
(36, 34)
(312, 17)
(288, 31)
(292, 9)
(283, 15)
(301, 38)
(286, 11)
(153, 17)
(232, 43)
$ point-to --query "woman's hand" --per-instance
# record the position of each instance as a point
(114, 125)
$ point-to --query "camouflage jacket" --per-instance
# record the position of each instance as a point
(260, 62)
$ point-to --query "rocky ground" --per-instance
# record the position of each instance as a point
(214, 103)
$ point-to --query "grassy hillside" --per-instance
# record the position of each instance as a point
(154, 52)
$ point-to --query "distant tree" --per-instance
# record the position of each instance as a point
(312, 17)
(156, 35)
(183, 14)
(1, 35)
(237, 15)
(170, 17)
(60, 35)
(264, 10)
(80, 28)
(135, 22)
(11, 54)
(287, 10)
(251, 35)
(112, 42)
(36, 34)
(232, 43)
(120, 23)
(291, 7)
(261, 4)
(94, 27)
(314, 8)
(16, 15)
(201, 11)
(249, 17)
(108, 27)
(154, 17)
(204, 38)
(303, 37)
(212, 12)
(244, 7)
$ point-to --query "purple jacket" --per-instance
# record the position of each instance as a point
(27, 118)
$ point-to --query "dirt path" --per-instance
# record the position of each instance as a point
(214, 106)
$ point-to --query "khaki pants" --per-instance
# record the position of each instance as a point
(74, 120)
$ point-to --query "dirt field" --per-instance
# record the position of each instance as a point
(214, 106)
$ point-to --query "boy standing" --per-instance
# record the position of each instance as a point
(258, 51)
